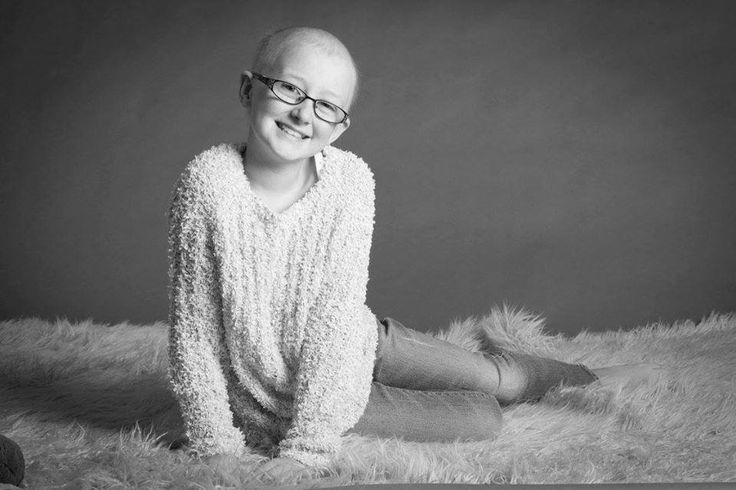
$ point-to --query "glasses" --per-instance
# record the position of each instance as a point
(293, 95)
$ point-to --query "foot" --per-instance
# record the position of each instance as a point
(623, 373)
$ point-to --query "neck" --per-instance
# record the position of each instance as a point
(275, 177)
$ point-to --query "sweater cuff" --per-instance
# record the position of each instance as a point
(226, 442)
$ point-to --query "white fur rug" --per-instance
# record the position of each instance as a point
(88, 403)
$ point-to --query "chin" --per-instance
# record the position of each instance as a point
(294, 152)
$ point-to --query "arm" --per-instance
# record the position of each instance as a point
(333, 381)
(195, 324)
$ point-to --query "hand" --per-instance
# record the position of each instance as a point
(283, 468)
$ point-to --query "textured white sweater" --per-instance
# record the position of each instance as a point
(270, 337)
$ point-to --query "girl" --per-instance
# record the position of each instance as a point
(270, 338)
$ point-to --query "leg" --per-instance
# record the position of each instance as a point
(413, 360)
(423, 416)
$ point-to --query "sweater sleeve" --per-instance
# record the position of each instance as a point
(333, 381)
(195, 324)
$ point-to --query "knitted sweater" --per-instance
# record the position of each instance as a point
(270, 337)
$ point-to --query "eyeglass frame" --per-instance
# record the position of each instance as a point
(269, 82)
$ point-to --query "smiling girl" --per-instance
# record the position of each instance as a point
(271, 342)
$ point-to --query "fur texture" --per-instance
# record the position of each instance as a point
(90, 407)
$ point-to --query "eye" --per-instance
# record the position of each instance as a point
(291, 94)
(327, 108)
(287, 87)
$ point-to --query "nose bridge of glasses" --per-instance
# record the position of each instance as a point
(301, 108)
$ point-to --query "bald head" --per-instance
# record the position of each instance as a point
(277, 43)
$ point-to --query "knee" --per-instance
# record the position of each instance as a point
(482, 419)
(487, 420)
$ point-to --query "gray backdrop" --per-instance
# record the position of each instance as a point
(573, 157)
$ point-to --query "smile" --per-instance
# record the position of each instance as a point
(291, 131)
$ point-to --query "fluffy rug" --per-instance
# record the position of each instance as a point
(89, 405)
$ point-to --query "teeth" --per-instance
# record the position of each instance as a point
(290, 131)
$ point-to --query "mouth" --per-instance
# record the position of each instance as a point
(291, 131)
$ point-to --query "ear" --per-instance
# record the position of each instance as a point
(339, 129)
(246, 87)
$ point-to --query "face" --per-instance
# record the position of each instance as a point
(283, 133)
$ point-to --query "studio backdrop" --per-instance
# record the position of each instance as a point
(575, 158)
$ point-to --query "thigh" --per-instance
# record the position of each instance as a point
(439, 416)
(410, 359)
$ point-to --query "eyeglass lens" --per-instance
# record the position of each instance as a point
(294, 95)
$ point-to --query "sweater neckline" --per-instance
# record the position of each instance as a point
(323, 171)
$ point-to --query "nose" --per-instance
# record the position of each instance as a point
(303, 112)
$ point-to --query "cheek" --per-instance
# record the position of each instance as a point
(265, 108)
(323, 131)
